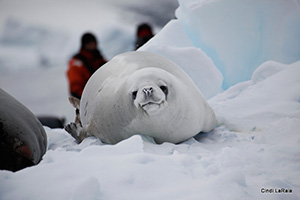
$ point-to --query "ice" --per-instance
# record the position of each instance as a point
(233, 36)
(241, 35)
(25, 46)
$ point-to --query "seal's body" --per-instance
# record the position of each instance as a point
(142, 93)
(23, 140)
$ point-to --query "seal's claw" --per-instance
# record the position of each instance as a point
(73, 129)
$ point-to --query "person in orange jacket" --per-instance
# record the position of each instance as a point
(84, 64)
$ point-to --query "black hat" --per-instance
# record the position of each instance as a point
(87, 38)
(143, 26)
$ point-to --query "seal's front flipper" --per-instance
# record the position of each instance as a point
(77, 131)
(73, 130)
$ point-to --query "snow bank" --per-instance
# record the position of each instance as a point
(239, 35)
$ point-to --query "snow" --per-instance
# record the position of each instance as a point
(267, 98)
(255, 145)
(241, 35)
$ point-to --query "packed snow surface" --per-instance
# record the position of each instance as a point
(253, 152)
(255, 146)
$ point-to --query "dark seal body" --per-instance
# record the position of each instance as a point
(23, 140)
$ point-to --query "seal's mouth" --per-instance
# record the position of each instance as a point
(151, 106)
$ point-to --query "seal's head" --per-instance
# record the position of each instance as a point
(149, 90)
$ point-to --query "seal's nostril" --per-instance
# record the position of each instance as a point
(148, 91)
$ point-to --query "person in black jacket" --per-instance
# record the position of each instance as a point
(144, 34)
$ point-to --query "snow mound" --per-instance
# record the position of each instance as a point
(272, 94)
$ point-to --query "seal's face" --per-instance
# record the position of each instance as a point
(150, 97)
(150, 92)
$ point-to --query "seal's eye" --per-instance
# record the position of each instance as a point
(134, 93)
(164, 89)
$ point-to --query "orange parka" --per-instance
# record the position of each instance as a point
(81, 68)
